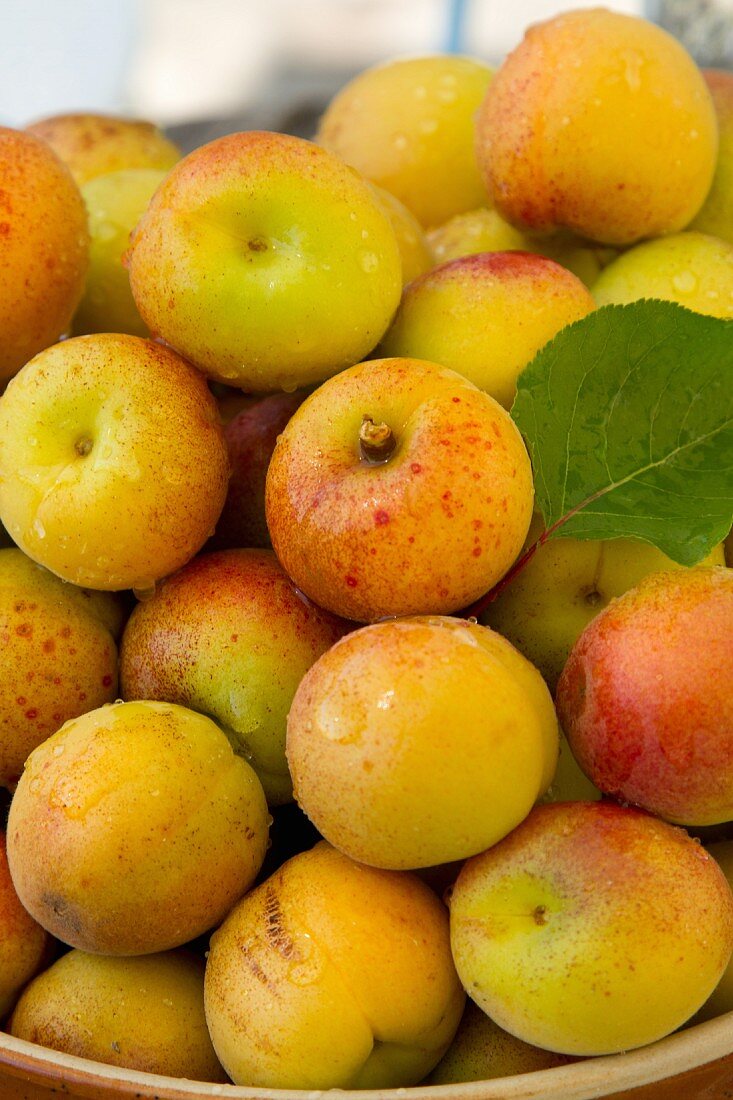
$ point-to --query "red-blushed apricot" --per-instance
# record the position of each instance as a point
(113, 466)
(251, 436)
(592, 928)
(486, 316)
(332, 975)
(24, 945)
(135, 828)
(423, 522)
(93, 145)
(408, 125)
(44, 246)
(419, 741)
(646, 696)
(143, 1013)
(229, 635)
(600, 123)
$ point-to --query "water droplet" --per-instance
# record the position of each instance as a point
(399, 141)
(34, 786)
(684, 283)
(428, 126)
(59, 750)
(144, 590)
(369, 262)
(154, 794)
(39, 529)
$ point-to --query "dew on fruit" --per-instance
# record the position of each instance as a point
(368, 262)
(684, 283)
(39, 529)
(143, 591)
(59, 750)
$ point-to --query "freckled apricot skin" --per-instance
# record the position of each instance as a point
(332, 975)
(429, 530)
(44, 246)
(408, 125)
(645, 697)
(601, 123)
(229, 635)
(134, 829)
(419, 741)
(486, 316)
(592, 928)
(24, 945)
(59, 658)
(144, 1013)
(266, 261)
(93, 145)
(113, 466)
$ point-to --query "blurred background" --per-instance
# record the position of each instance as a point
(202, 68)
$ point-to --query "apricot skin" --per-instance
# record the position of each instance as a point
(332, 975)
(601, 123)
(144, 1013)
(44, 246)
(134, 829)
(431, 721)
(24, 945)
(645, 697)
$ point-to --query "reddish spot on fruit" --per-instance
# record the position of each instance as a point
(24, 630)
(351, 581)
(416, 468)
(32, 713)
(21, 700)
(49, 645)
(381, 517)
(235, 637)
(106, 680)
(477, 551)
(456, 400)
(65, 632)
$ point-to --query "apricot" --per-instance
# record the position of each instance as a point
(24, 945)
(716, 215)
(93, 145)
(59, 657)
(433, 722)
(408, 125)
(229, 635)
(592, 928)
(484, 230)
(135, 828)
(113, 466)
(332, 975)
(45, 246)
(564, 586)
(600, 123)
(692, 269)
(143, 1013)
(486, 316)
(645, 697)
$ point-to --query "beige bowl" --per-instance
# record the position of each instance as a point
(696, 1064)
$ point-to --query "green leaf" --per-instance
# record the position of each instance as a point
(628, 417)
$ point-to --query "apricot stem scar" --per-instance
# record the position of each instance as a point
(539, 914)
(83, 446)
(376, 441)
